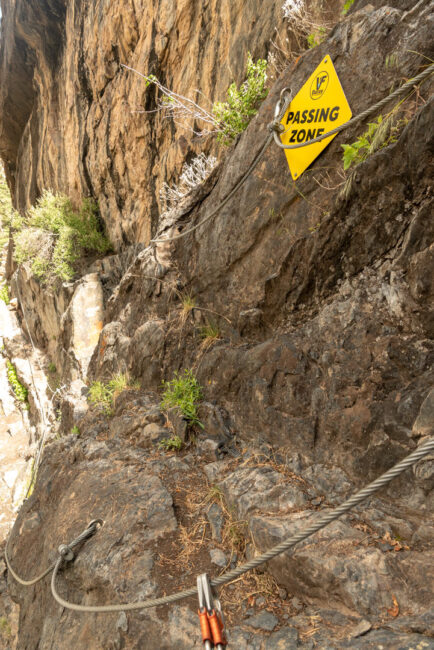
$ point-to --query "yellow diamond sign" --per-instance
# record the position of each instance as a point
(318, 107)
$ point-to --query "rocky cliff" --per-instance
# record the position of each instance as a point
(65, 94)
(305, 310)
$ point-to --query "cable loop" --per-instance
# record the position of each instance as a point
(64, 550)
(287, 90)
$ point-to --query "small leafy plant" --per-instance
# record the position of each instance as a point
(53, 237)
(347, 6)
(4, 294)
(185, 393)
(171, 444)
(242, 103)
(378, 135)
(75, 430)
(21, 392)
(102, 394)
(316, 37)
(5, 628)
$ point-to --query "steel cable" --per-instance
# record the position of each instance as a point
(323, 521)
(353, 501)
(225, 200)
(383, 480)
(274, 127)
(88, 532)
(361, 116)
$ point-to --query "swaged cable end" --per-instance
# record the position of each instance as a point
(66, 553)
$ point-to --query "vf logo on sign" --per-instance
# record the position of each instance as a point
(319, 85)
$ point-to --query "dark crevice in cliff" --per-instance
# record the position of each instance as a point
(35, 33)
(86, 173)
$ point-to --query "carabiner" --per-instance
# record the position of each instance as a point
(210, 615)
(203, 615)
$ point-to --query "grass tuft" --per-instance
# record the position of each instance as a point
(103, 394)
(347, 6)
(185, 393)
(210, 334)
(5, 627)
(188, 304)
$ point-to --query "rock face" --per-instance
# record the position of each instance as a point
(341, 357)
(68, 96)
(317, 377)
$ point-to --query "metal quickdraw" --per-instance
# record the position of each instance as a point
(210, 616)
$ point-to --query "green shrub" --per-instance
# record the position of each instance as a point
(228, 118)
(185, 393)
(20, 391)
(4, 294)
(171, 444)
(75, 430)
(102, 394)
(242, 103)
(52, 238)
